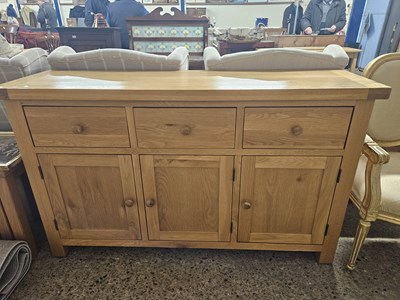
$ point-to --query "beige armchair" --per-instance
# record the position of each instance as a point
(376, 187)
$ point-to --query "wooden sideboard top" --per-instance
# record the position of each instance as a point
(194, 86)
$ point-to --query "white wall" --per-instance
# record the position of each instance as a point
(225, 15)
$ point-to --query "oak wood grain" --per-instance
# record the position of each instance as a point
(185, 127)
(287, 198)
(88, 194)
(298, 127)
(193, 86)
(78, 126)
(192, 197)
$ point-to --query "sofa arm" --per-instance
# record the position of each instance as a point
(180, 54)
(26, 63)
(58, 54)
(29, 56)
(210, 54)
(339, 55)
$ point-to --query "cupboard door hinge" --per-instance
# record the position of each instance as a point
(326, 229)
(41, 172)
(339, 175)
(55, 224)
(234, 174)
(231, 227)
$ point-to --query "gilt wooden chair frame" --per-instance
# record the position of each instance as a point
(369, 206)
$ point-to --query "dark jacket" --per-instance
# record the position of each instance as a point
(11, 11)
(288, 18)
(313, 15)
(119, 11)
(47, 16)
(93, 7)
(77, 12)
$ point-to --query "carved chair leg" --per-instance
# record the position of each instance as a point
(361, 234)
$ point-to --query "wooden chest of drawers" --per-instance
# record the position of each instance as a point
(234, 160)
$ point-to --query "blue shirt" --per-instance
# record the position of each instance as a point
(119, 11)
(93, 7)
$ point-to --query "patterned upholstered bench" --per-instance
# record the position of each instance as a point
(333, 57)
(65, 58)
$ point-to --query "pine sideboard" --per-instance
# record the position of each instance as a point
(192, 159)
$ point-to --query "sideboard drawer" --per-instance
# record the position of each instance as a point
(174, 128)
(78, 126)
(299, 127)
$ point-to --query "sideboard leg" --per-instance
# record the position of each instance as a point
(58, 250)
(325, 258)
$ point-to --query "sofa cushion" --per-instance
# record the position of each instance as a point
(65, 58)
(333, 57)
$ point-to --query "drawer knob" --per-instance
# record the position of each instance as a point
(129, 203)
(297, 130)
(186, 130)
(77, 129)
(246, 205)
(150, 202)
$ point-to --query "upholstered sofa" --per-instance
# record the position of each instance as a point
(27, 62)
(282, 59)
(65, 58)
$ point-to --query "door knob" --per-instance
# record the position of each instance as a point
(77, 129)
(129, 202)
(246, 205)
(296, 130)
(186, 130)
(150, 202)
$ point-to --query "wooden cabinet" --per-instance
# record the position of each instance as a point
(286, 199)
(89, 38)
(92, 196)
(225, 160)
(188, 198)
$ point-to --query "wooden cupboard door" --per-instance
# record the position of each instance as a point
(286, 199)
(93, 196)
(188, 198)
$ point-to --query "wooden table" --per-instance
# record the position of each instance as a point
(193, 159)
(282, 41)
(14, 223)
(352, 53)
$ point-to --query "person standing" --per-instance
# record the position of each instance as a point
(46, 16)
(324, 17)
(93, 7)
(11, 15)
(77, 11)
(289, 16)
(119, 11)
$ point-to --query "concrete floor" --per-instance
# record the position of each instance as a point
(146, 273)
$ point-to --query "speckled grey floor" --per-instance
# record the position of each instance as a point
(144, 273)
